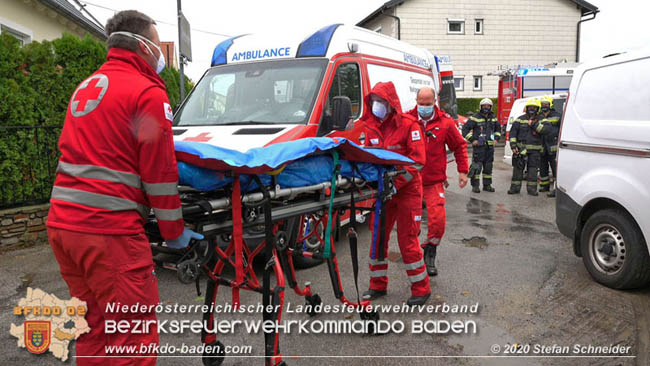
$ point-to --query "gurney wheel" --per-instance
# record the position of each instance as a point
(187, 271)
(216, 357)
(313, 301)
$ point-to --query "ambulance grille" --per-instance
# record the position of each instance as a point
(258, 131)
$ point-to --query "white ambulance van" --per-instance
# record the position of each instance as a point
(264, 89)
(603, 183)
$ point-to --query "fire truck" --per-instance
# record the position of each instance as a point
(521, 81)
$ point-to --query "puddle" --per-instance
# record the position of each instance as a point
(394, 256)
(476, 242)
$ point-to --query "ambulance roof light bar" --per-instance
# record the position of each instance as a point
(219, 54)
(317, 44)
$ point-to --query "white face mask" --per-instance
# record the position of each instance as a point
(161, 60)
(379, 109)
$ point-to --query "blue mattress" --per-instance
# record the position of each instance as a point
(299, 163)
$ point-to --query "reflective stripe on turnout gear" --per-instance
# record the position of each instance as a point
(168, 214)
(418, 277)
(379, 273)
(99, 200)
(414, 265)
(375, 262)
(117, 176)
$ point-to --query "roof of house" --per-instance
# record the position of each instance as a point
(66, 9)
(584, 6)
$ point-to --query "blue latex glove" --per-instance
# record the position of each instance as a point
(183, 240)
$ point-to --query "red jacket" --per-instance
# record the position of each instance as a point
(117, 153)
(439, 132)
(399, 133)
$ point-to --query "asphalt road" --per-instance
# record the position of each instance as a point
(501, 252)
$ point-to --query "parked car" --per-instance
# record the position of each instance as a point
(603, 195)
(518, 108)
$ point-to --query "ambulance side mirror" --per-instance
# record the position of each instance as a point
(341, 112)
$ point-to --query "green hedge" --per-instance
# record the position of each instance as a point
(36, 83)
(470, 105)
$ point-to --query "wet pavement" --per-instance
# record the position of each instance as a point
(501, 252)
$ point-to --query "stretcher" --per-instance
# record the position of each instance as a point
(266, 187)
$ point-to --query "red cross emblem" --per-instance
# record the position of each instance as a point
(202, 137)
(88, 95)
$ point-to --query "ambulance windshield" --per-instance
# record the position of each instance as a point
(271, 92)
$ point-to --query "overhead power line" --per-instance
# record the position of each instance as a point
(157, 20)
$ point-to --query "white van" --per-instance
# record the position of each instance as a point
(519, 108)
(268, 88)
(603, 186)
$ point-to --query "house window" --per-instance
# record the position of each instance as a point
(455, 26)
(22, 37)
(459, 83)
(478, 26)
(478, 82)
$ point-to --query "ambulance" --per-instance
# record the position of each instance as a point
(268, 88)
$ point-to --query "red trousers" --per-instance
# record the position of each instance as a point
(434, 197)
(405, 209)
(104, 269)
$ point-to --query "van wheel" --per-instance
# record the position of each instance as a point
(614, 250)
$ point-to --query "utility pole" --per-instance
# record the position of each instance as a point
(181, 58)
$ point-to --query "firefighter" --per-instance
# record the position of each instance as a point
(526, 144)
(387, 127)
(440, 133)
(552, 119)
(117, 160)
(482, 130)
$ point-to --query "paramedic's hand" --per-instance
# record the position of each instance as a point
(462, 180)
(475, 143)
(183, 240)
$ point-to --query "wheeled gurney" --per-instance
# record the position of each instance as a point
(244, 192)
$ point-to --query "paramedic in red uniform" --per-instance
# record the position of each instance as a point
(117, 162)
(440, 132)
(386, 126)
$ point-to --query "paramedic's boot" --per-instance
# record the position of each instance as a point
(418, 300)
(430, 260)
(373, 294)
(488, 188)
(476, 189)
(532, 191)
(551, 194)
(545, 188)
(514, 189)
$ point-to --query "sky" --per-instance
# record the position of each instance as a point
(621, 25)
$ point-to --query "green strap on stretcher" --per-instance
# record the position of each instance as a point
(328, 232)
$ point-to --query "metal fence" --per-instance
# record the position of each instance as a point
(28, 159)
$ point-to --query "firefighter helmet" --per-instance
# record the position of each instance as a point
(487, 101)
(547, 99)
(534, 102)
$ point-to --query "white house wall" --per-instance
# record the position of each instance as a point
(515, 32)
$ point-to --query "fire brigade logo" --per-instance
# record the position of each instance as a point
(37, 335)
(88, 95)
